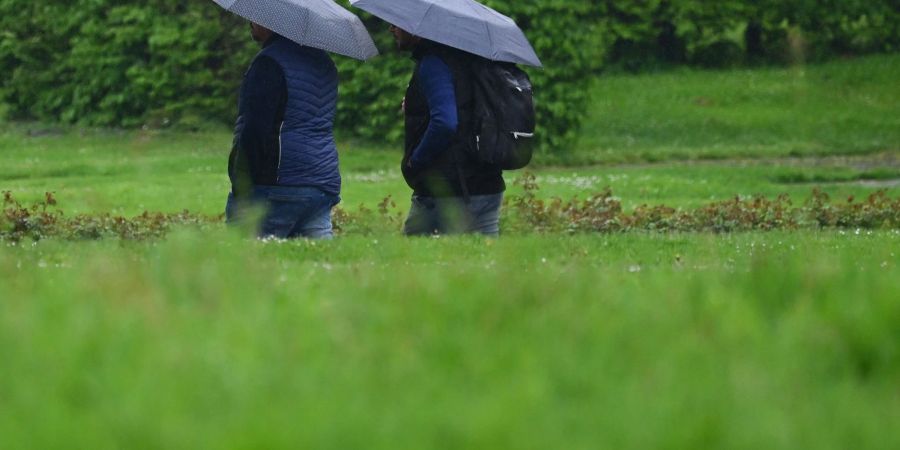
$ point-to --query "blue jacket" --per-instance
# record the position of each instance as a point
(284, 132)
(436, 80)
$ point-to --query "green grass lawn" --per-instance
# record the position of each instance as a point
(205, 339)
(840, 108)
(128, 173)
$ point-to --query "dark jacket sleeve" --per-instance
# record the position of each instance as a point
(436, 80)
(261, 108)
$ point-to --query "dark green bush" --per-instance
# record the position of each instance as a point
(121, 63)
(731, 32)
(160, 62)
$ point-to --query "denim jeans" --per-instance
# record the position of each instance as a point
(453, 215)
(287, 212)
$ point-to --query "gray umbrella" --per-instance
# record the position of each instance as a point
(321, 24)
(463, 24)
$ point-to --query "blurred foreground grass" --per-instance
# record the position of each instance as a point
(778, 340)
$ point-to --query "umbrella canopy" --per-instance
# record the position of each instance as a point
(463, 24)
(321, 24)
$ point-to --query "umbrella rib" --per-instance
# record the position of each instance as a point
(341, 31)
(305, 30)
(427, 10)
(477, 8)
(490, 38)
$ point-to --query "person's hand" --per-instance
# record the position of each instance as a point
(403, 105)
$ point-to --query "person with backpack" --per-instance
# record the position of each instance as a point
(453, 192)
(469, 112)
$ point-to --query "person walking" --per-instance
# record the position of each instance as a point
(452, 191)
(469, 112)
(284, 159)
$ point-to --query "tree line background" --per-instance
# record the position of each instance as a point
(160, 63)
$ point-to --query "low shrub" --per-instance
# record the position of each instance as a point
(603, 213)
(525, 213)
(43, 219)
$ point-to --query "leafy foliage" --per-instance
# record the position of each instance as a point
(121, 63)
(162, 62)
(43, 220)
(736, 32)
(526, 213)
(603, 212)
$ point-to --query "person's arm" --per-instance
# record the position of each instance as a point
(436, 80)
(262, 97)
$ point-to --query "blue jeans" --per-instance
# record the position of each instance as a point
(288, 212)
(453, 215)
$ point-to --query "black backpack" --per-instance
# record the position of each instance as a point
(504, 119)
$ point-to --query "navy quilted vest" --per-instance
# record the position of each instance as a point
(308, 155)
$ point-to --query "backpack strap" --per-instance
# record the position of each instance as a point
(462, 178)
(460, 67)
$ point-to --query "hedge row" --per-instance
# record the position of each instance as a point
(120, 63)
(719, 33)
(524, 213)
(162, 62)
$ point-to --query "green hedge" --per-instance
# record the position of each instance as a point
(170, 62)
(729, 32)
(121, 63)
